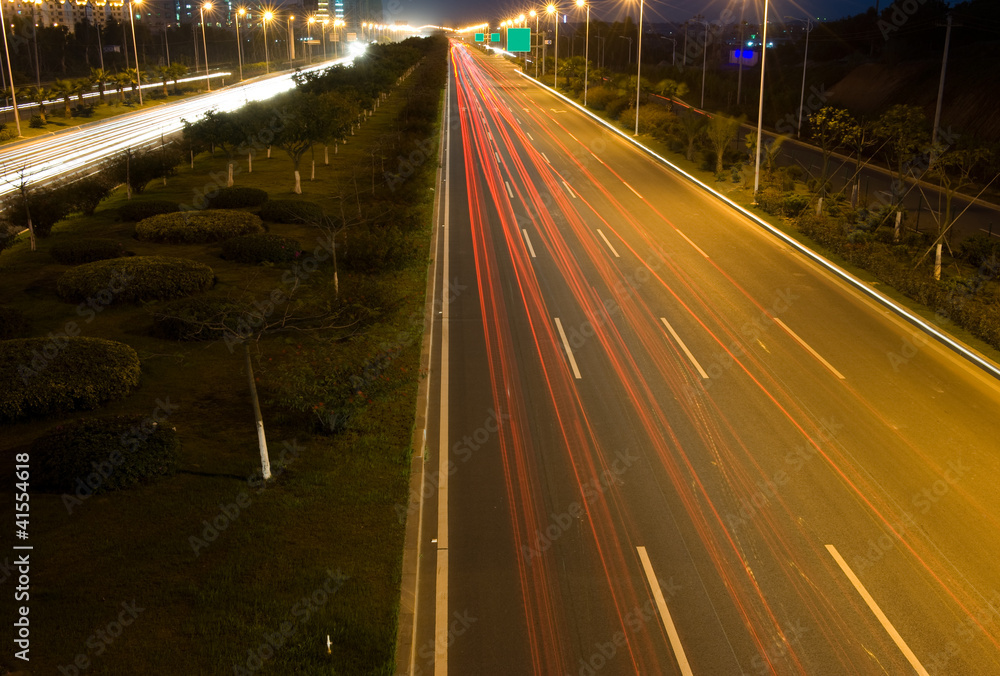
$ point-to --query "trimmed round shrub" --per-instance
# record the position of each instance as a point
(62, 373)
(236, 197)
(261, 249)
(85, 251)
(142, 209)
(136, 278)
(13, 323)
(291, 211)
(97, 455)
(376, 248)
(200, 319)
(196, 227)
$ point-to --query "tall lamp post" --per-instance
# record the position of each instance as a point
(325, 22)
(291, 38)
(204, 41)
(638, 70)
(586, 51)
(704, 59)
(239, 45)
(135, 47)
(10, 72)
(265, 17)
(760, 111)
(629, 38)
(805, 61)
(535, 43)
(551, 9)
(309, 37)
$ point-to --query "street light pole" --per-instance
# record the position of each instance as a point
(739, 55)
(131, 18)
(555, 75)
(944, 70)
(805, 61)
(265, 17)
(10, 72)
(586, 52)
(760, 111)
(239, 45)
(204, 41)
(535, 44)
(638, 70)
(704, 65)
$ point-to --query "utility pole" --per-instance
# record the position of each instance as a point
(940, 97)
(805, 60)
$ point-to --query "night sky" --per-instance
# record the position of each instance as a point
(466, 12)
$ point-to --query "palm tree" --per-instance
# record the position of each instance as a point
(63, 89)
(38, 95)
(163, 73)
(100, 77)
(132, 76)
(120, 81)
(80, 87)
(177, 71)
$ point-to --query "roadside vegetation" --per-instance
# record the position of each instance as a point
(244, 303)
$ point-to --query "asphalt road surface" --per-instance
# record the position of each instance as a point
(671, 444)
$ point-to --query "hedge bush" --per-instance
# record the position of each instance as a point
(13, 323)
(291, 211)
(236, 197)
(137, 278)
(60, 374)
(376, 249)
(199, 318)
(85, 251)
(138, 210)
(97, 455)
(261, 249)
(196, 227)
(979, 249)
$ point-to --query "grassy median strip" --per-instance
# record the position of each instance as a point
(210, 570)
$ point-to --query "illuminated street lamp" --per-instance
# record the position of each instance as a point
(760, 111)
(309, 36)
(325, 22)
(551, 9)
(239, 45)
(267, 16)
(131, 18)
(586, 51)
(291, 38)
(204, 41)
(13, 96)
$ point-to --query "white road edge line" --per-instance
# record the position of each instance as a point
(633, 190)
(569, 351)
(509, 191)
(569, 190)
(527, 240)
(873, 606)
(809, 349)
(661, 605)
(688, 239)
(608, 242)
(441, 574)
(684, 347)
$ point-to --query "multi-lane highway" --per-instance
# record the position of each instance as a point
(45, 158)
(668, 443)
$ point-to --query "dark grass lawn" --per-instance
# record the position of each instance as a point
(316, 554)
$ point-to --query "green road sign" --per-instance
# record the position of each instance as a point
(518, 39)
(494, 37)
(479, 37)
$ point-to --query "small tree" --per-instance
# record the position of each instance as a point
(721, 132)
(829, 126)
(692, 129)
(903, 130)
(302, 130)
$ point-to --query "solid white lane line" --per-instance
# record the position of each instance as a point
(509, 191)
(441, 618)
(873, 606)
(684, 347)
(527, 241)
(569, 189)
(608, 242)
(661, 605)
(569, 352)
(698, 248)
(633, 190)
(809, 349)
(546, 158)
